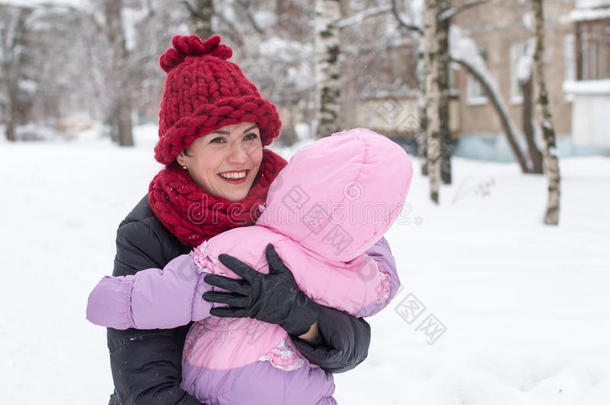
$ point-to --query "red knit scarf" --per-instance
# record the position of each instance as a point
(193, 215)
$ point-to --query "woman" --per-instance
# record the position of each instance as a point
(213, 125)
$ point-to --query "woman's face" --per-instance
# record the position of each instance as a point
(225, 162)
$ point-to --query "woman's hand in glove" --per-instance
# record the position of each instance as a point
(273, 297)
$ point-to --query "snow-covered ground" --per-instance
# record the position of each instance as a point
(526, 307)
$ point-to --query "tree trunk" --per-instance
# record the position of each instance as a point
(327, 67)
(422, 111)
(528, 126)
(13, 101)
(113, 123)
(551, 160)
(423, 137)
(10, 132)
(124, 123)
(121, 106)
(433, 96)
(12, 37)
(201, 13)
(442, 36)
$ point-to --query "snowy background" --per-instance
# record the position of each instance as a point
(525, 306)
(495, 309)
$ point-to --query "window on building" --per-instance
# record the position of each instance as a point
(593, 49)
(404, 65)
(474, 91)
(517, 51)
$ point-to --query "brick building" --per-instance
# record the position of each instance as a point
(500, 30)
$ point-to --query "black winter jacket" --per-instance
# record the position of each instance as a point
(146, 364)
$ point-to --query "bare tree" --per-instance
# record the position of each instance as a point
(13, 56)
(59, 89)
(433, 95)
(551, 159)
(446, 12)
(464, 52)
(422, 73)
(526, 86)
(201, 13)
(327, 68)
(527, 113)
(115, 61)
(444, 70)
(443, 12)
(121, 103)
(422, 111)
(207, 17)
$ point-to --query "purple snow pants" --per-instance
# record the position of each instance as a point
(259, 384)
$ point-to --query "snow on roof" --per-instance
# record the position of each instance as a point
(587, 14)
(593, 87)
(591, 3)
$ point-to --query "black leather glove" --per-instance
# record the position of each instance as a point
(273, 297)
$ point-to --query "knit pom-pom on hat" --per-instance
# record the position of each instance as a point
(205, 91)
(192, 45)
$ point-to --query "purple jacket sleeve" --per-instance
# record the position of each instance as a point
(381, 253)
(151, 298)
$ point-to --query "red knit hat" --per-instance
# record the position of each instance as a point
(203, 92)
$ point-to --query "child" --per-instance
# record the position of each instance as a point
(333, 201)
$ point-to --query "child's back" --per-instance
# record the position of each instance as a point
(334, 200)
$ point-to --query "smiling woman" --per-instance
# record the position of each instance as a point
(225, 162)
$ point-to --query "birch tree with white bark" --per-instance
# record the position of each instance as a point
(327, 68)
(525, 81)
(410, 21)
(433, 96)
(435, 67)
(551, 158)
(444, 70)
(445, 11)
